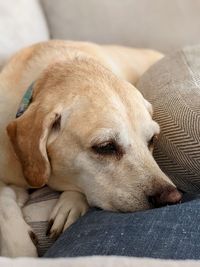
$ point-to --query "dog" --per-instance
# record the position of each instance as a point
(84, 129)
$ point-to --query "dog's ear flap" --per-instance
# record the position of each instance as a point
(29, 134)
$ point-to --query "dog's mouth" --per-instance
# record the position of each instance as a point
(168, 196)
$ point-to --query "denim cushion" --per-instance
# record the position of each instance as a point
(172, 232)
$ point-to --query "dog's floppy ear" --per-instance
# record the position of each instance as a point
(29, 134)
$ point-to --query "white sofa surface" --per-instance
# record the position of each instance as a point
(22, 23)
(96, 261)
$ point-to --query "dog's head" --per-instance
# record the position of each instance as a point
(88, 128)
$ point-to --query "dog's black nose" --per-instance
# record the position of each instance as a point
(168, 196)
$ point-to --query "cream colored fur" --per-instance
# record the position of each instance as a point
(88, 91)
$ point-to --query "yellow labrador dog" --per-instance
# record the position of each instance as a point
(84, 130)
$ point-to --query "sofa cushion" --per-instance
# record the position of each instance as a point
(21, 24)
(172, 232)
(136, 23)
(173, 87)
(39, 207)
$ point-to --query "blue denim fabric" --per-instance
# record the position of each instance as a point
(171, 232)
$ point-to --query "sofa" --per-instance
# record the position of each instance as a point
(158, 24)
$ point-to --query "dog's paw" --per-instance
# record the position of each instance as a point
(70, 206)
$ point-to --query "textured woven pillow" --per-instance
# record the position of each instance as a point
(36, 213)
(173, 87)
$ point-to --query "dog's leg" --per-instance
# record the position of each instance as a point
(70, 206)
(16, 236)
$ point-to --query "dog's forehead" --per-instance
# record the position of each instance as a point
(92, 81)
(99, 100)
(108, 115)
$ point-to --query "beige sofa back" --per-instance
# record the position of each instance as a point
(161, 24)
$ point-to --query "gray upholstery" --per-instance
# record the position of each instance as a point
(165, 25)
(173, 87)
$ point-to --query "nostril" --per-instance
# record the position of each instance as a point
(169, 196)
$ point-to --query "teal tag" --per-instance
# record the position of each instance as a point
(26, 100)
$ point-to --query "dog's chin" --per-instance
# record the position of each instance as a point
(120, 207)
(129, 209)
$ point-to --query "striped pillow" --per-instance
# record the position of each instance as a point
(173, 87)
(36, 213)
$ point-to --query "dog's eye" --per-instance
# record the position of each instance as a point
(107, 148)
(153, 140)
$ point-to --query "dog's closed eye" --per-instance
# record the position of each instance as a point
(152, 141)
(108, 148)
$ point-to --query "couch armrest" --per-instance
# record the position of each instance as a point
(21, 24)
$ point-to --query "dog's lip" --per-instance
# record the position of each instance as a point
(109, 206)
(115, 208)
(129, 208)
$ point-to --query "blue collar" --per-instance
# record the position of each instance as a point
(26, 100)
